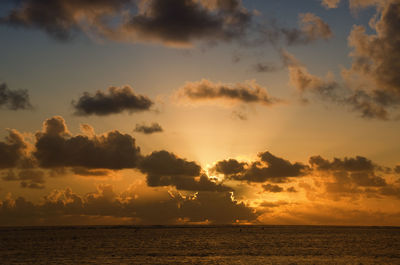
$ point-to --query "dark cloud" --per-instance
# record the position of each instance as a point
(206, 91)
(13, 150)
(349, 173)
(55, 147)
(65, 207)
(264, 68)
(397, 169)
(115, 100)
(81, 171)
(291, 189)
(358, 163)
(62, 18)
(166, 169)
(14, 99)
(184, 21)
(148, 129)
(272, 188)
(229, 167)
(29, 178)
(176, 22)
(269, 168)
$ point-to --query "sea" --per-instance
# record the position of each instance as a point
(200, 245)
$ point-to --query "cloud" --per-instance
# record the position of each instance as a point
(148, 129)
(348, 171)
(331, 91)
(13, 150)
(81, 171)
(63, 207)
(272, 188)
(331, 3)
(376, 57)
(229, 167)
(264, 68)
(312, 28)
(116, 100)
(166, 169)
(56, 147)
(268, 168)
(207, 91)
(305, 82)
(181, 22)
(170, 22)
(61, 19)
(358, 163)
(29, 178)
(14, 99)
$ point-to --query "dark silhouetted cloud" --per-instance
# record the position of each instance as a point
(272, 188)
(358, 163)
(14, 99)
(55, 147)
(13, 150)
(207, 91)
(184, 21)
(81, 171)
(148, 129)
(115, 100)
(171, 22)
(229, 167)
(166, 169)
(269, 168)
(350, 175)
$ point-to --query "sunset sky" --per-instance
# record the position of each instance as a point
(200, 112)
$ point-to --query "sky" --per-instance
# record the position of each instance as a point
(199, 112)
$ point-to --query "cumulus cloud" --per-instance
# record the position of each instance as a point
(207, 91)
(272, 188)
(354, 177)
(171, 22)
(56, 147)
(376, 57)
(64, 206)
(148, 129)
(13, 150)
(115, 100)
(182, 22)
(14, 99)
(166, 169)
(268, 168)
(331, 91)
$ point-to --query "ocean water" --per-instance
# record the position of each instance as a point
(200, 245)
